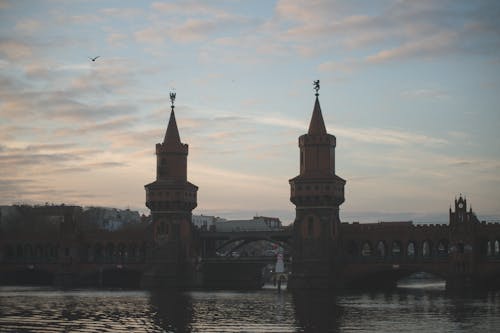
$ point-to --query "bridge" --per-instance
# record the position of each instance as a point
(326, 253)
(381, 252)
(211, 242)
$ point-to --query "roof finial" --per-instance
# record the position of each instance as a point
(316, 87)
(172, 98)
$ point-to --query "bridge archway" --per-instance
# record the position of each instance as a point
(352, 249)
(381, 249)
(396, 248)
(443, 248)
(411, 249)
(241, 242)
(366, 249)
(426, 248)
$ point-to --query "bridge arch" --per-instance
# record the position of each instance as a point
(427, 248)
(442, 249)
(396, 248)
(366, 249)
(248, 240)
(411, 249)
(352, 248)
(381, 249)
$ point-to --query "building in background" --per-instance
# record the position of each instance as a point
(206, 222)
(110, 218)
(258, 223)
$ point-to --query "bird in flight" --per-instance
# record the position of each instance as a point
(94, 59)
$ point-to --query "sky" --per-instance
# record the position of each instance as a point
(410, 89)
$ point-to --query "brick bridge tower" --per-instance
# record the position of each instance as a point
(317, 192)
(464, 245)
(171, 199)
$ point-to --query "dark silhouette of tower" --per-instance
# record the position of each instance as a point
(317, 192)
(171, 199)
(463, 240)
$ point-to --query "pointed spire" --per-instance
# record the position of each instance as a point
(317, 124)
(172, 134)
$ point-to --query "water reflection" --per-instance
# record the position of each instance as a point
(428, 309)
(172, 310)
(317, 311)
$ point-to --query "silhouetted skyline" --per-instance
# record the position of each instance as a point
(409, 89)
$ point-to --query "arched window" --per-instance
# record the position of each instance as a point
(396, 248)
(496, 249)
(488, 248)
(381, 249)
(352, 250)
(410, 250)
(442, 248)
(366, 250)
(426, 249)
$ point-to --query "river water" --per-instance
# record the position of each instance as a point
(415, 307)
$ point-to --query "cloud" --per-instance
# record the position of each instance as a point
(191, 22)
(108, 126)
(14, 49)
(4, 4)
(439, 44)
(28, 26)
(123, 13)
(388, 136)
(151, 35)
(396, 30)
(117, 39)
(367, 135)
(429, 93)
(199, 29)
(187, 8)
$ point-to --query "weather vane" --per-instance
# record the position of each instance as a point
(316, 87)
(172, 98)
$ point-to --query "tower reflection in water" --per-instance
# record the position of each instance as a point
(317, 311)
(173, 310)
(237, 311)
